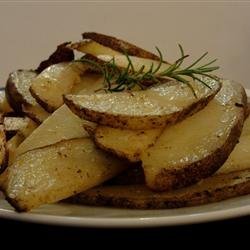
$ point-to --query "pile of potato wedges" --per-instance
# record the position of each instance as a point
(62, 139)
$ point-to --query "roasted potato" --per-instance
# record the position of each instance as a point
(19, 97)
(128, 144)
(14, 124)
(121, 61)
(23, 127)
(198, 146)
(35, 112)
(61, 54)
(212, 189)
(146, 109)
(110, 44)
(128, 189)
(3, 153)
(61, 125)
(5, 107)
(239, 159)
(11, 147)
(55, 81)
(56, 172)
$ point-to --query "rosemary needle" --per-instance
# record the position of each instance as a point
(118, 79)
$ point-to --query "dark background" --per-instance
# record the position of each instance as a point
(236, 230)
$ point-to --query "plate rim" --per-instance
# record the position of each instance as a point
(126, 222)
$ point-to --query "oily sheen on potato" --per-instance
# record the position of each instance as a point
(196, 147)
(4, 104)
(152, 108)
(56, 172)
(129, 189)
(100, 44)
(3, 155)
(239, 159)
(55, 81)
(19, 97)
(125, 143)
(212, 189)
(61, 125)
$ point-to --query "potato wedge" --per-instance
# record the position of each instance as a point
(55, 81)
(5, 107)
(122, 62)
(114, 44)
(11, 147)
(17, 88)
(239, 159)
(134, 193)
(212, 189)
(128, 144)
(35, 112)
(3, 154)
(152, 108)
(93, 48)
(61, 125)
(61, 54)
(198, 146)
(14, 124)
(22, 131)
(19, 97)
(53, 173)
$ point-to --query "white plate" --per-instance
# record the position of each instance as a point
(87, 216)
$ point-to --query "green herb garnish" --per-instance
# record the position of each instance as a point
(118, 79)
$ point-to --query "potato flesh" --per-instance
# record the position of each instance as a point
(56, 172)
(2, 146)
(22, 80)
(4, 105)
(122, 61)
(55, 81)
(35, 112)
(19, 84)
(93, 48)
(145, 109)
(88, 84)
(61, 125)
(239, 159)
(125, 143)
(15, 123)
(195, 137)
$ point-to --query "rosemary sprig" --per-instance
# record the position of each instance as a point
(118, 79)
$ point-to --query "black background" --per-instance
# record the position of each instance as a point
(225, 231)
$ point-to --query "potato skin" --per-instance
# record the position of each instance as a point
(3, 150)
(213, 189)
(61, 54)
(45, 105)
(169, 179)
(144, 122)
(14, 97)
(119, 45)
